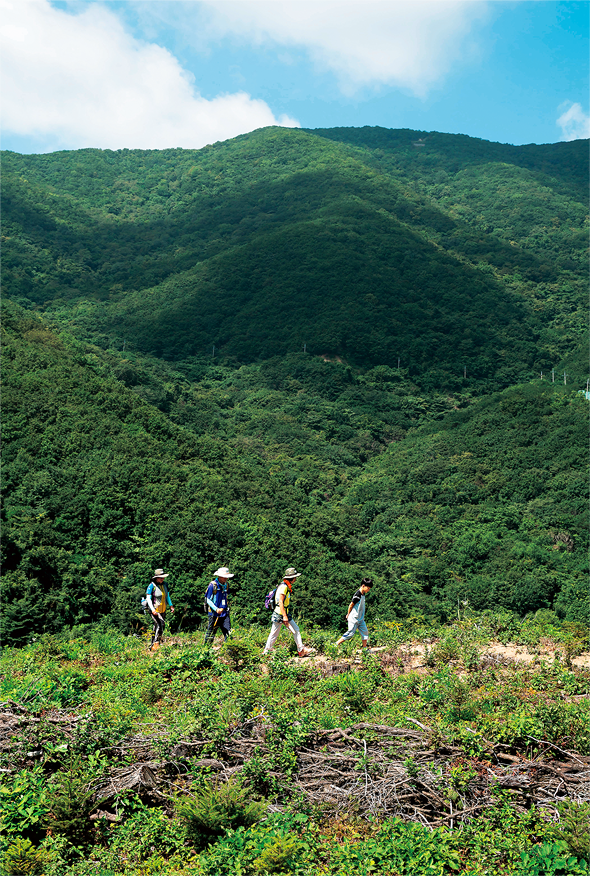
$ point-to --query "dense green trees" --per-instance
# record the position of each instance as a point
(298, 460)
(159, 407)
(354, 241)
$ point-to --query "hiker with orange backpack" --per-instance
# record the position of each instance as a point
(281, 615)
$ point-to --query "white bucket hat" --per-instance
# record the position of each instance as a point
(159, 573)
(223, 572)
(291, 573)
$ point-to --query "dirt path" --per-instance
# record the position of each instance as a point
(413, 655)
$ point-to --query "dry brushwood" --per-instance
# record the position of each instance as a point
(140, 747)
(377, 769)
(335, 669)
(22, 733)
(391, 771)
(387, 771)
(140, 777)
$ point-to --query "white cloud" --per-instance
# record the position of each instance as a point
(85, 81)
(574, 122)
(407, 43)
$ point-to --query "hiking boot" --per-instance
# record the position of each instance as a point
(305, 652)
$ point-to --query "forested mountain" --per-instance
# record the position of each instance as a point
(311, 347)
(372, 251)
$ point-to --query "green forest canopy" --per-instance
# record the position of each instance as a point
(456, 474)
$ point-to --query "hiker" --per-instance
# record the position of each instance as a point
(356, 615)
(217, 602)
(282, 616)
(157, 600)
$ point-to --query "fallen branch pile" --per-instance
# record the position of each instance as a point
(140, 777)
(387, 771)
(22, 734)
(374, 769)
(390, 771)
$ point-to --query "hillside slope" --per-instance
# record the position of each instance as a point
(379, 314)
(295, 462)
(370, 249)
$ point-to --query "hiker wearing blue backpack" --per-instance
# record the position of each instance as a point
(280, 600)
(216, 599)
(156, 601)
(356, 615)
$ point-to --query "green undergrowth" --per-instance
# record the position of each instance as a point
(309, 844)
(111, 689)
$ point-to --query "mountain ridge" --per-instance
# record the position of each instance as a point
(247, 202)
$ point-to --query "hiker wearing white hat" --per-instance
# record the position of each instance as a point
(157, 600)
(216, 598)
(281, 615)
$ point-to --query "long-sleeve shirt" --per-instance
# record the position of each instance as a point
(158, 598)
(217, 598)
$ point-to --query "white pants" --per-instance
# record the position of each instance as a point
(276, 629)
(353, 626)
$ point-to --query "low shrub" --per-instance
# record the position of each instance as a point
(574, 828)
(71, 804)
(240, 653)
(218, 808)
(21, 858)
(279, 856)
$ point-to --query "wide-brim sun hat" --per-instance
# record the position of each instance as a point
(291, 573)
(159, 573)
(223, 572)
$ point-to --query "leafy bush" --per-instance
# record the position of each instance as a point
(147, 831)
(22, 858)
(279, 856)
(398, 847)
(218, 808)
(551, 859)
(24, 804)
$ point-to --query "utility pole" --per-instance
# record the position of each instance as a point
(541, 375)
(553, 375)
(564, 379)
(465, 371)
(305, 348)
(213, 355)
(398, 361)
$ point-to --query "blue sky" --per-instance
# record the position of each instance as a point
(168, 73)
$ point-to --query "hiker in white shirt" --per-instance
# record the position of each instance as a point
(281, 615)
(356, 615)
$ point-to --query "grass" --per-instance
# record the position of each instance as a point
(111, 688)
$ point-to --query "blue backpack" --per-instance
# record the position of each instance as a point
(269, 599)
(206, 607)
